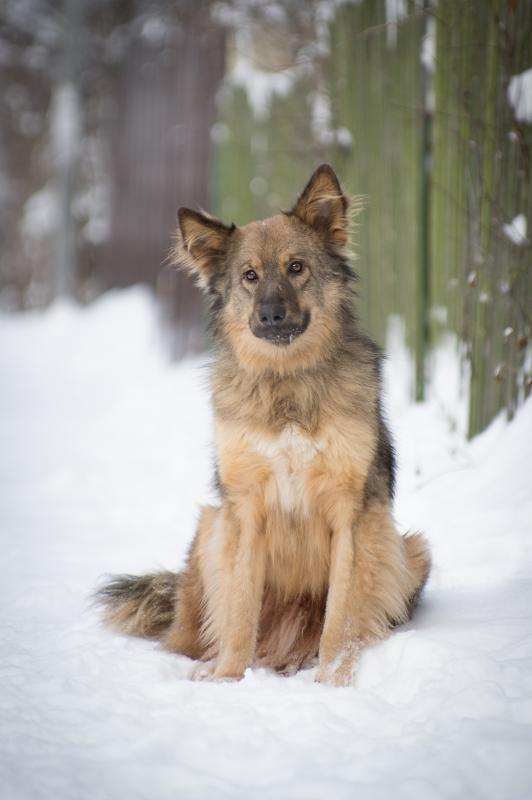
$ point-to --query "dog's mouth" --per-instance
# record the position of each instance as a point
(282, 335)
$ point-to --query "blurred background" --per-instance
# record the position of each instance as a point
(115, 112)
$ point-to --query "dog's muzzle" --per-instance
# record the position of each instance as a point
(279, 331)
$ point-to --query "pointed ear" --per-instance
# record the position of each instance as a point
(323, 206)
(202, 242)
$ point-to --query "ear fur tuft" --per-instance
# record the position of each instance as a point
(201, 243)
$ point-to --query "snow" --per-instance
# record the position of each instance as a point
(344, 137)
(515, 231)
(321, 123)
(40, 213)
(260, 85)
(396, 11)
(154, 30)
(106, 455)
(520, 95)
(65, 123)
(428, 46)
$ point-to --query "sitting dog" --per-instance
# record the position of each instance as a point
(301, 558)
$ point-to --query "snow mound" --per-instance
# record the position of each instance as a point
(515, 230)
(520, 95)
(106, 456)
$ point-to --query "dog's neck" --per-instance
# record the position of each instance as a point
(272, 400)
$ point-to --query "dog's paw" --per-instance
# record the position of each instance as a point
(230, 668)
(217, 673)
(203, 671)
(227, 676)
(336, 676)
(289, 670)
(296, 665)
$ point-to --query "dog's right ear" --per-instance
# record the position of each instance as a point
(202, 242)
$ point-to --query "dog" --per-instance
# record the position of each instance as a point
(301, 558)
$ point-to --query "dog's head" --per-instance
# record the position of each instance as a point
(278, 286)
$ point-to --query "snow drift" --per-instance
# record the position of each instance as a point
(105, 458)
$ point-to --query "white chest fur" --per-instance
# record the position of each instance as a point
(289, 457)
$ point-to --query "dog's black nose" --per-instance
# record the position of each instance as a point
(271, 313)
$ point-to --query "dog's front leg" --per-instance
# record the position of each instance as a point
(371, 584)
(243, 595)
(339, 645)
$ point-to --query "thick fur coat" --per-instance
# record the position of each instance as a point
(301, 559)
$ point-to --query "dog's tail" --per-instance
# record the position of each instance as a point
(141, 605)
(419, 564)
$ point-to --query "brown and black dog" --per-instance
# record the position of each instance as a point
(302, 557)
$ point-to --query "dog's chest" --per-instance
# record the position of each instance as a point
(290, 457)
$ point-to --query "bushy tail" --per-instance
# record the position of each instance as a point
(139, 605)
(419, 564)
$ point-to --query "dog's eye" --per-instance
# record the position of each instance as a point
(295, 267)
(251, 275)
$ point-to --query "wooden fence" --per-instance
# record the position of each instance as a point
(414, 115)
(480, 268)
(413, 101)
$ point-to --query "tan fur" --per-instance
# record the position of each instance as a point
(302, 558)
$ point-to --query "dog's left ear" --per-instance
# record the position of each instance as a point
(323, 206)
(202, 244)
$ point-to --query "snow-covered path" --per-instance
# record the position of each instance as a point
(105, 456)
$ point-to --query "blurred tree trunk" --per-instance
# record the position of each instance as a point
(66, 141)
(161, 157)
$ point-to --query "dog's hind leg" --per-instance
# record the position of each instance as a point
(419, 564)
(185, 632)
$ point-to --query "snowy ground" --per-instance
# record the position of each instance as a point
(104, 457)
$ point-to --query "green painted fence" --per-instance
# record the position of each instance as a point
(433, 146)
(480, 182)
